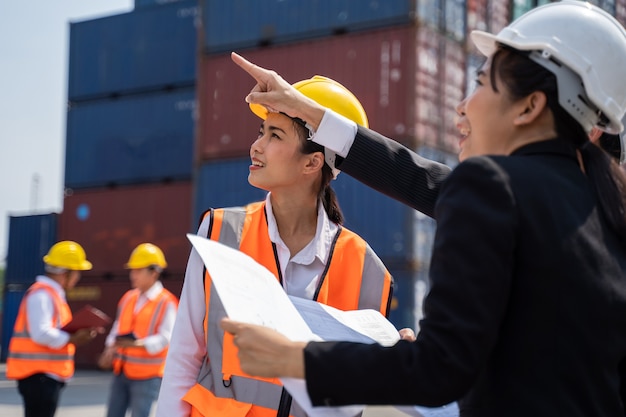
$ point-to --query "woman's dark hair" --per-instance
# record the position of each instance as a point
(612, 144)
(325, 194)
(522, 76)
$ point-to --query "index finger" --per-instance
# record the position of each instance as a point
(254, 70)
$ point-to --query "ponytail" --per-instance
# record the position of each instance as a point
(329, 198)
(609, 183)
(326, 193)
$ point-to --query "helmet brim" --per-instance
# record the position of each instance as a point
(259, 110)
(485, 42)
(83, 266)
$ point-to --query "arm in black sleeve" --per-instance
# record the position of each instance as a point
(471, 274)
(394, 170)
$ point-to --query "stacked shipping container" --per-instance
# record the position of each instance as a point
(129, 147)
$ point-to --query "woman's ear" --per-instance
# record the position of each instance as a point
(531, 108)
(314, 162)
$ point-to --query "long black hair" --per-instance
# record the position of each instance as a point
(522, 76)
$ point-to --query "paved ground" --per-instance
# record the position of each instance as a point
(87, 393)
(84, 396)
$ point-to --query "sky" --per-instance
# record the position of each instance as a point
(34, 57)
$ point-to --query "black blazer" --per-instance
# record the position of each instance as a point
(526, 315)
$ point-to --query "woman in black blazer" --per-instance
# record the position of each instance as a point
(526, 315)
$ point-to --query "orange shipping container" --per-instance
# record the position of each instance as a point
(394, 72)
(620, 11)
(499, 15)
(454, 88)
(110, 222)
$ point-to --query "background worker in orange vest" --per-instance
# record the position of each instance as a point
(41, 355)
(297, 233)
(137, 344)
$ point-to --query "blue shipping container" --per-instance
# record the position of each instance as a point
(149, 3)
(13, 294)
(224, 183)
(138, 51)
(383, 222)
(132, 139)
(237, 24)
(30, 237)
(402, 312)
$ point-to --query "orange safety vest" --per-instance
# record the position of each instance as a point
(136, 362)
(26, 357)
(354, 278)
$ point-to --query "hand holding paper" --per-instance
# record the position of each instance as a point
(249, 292)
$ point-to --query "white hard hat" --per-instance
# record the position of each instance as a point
(584, 46)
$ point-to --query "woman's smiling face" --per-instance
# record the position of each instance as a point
(276, 155)
(486, 117)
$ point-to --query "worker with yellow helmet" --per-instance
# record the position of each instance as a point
(138, 342)
(41, 354)
(297, 233)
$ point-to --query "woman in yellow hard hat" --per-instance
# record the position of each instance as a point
(41, 353)
(139, 338)
(297, 233)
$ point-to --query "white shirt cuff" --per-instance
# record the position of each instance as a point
(336, 133)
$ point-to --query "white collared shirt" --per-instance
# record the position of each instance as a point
(157, 342)
(301, 272)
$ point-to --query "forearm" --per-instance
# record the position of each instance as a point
(394, 170)
(380, 375)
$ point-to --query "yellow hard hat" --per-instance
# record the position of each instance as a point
(330, 94)
(146, 255)
(68, 255)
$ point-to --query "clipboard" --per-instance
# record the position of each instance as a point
(87, 317)
(129, 336)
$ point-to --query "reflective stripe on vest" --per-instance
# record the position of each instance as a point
(136, 362)
(26, 357)
(357, 281)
